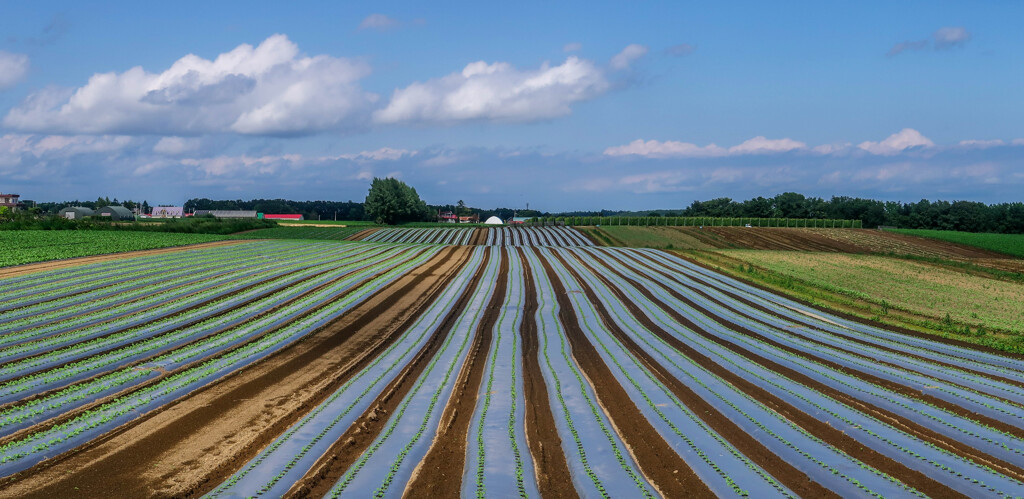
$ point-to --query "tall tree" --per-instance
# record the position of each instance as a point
(391, 201)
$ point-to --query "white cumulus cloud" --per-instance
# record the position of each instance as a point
(270, 89)
(950, 36)
(13, 67)
(498, 92)
(173, 146)
(897, 142)
(675, 149)
(624, 59)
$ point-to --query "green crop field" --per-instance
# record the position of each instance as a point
(320, 233)
(18, 247)
(916, 294)
(1011, 244)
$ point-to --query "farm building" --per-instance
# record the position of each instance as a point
(76, 212)
(493, 221)
(226, 213)
(274, 216)
(9, 200)
(447, 217)
(518, 220)
(167, 212)
(472, 219)
(116, 213)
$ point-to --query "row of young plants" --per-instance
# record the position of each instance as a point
(70, 276)
(128, 286)
(459, 236)
(114, 318)
(535, 236)
(955, 426)
(24, 452)
(720, 465)
(923, 456)
(409, 432)
(497, 456)
(135, 293)
(597, 459)
(864, 331)
(177, 348)
(295, 452)
(954, 368)
(101, 335)
(30, 246)
(819, 460)
(997, 401)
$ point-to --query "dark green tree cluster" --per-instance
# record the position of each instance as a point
(391, 201)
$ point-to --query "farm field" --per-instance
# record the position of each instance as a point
(1011, 244)
(532, 365)
(903, 292)
(318, 233)
(18, 247)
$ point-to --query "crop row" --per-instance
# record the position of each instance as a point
(443, 235)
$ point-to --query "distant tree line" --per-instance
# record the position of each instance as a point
(966, 216)
(311, 210)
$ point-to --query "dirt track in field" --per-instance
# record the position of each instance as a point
(189, 447)
(86, 260)
(550, 466)
(440, 472)
(479, 237)
(364, 430)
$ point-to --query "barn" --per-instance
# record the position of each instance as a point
(116, 213)
(168, 212)
(76, 212)
(226, 213)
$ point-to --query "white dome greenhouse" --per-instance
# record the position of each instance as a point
(493, 221)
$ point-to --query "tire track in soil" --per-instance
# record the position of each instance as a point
(819, 429)
(892, 385)
(670, 473)
(242, 412)
(364, 430)
(551, 468)
(440, 472)
(655, 458)
(924, 433)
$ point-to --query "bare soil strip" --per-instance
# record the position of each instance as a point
(553, 478)
(789, 476)
(820, 429)
(364, 430)
(661, 465)
(189, 447)
(479, 237)
(671, 474)
(86, 260)
(440, 472)
(361, 235)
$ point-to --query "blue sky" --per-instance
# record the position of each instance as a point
(581, 105)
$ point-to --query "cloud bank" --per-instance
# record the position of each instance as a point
(13, 68)
(270, 89)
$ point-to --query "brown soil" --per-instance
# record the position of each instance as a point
(846, 443)
(553, 478)
(746, 443)
(659, 463)
(670, 474)
(361, 235)
(364, 430)
(85, 260)
(189, 447)
(440, 472)
(479, 237)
